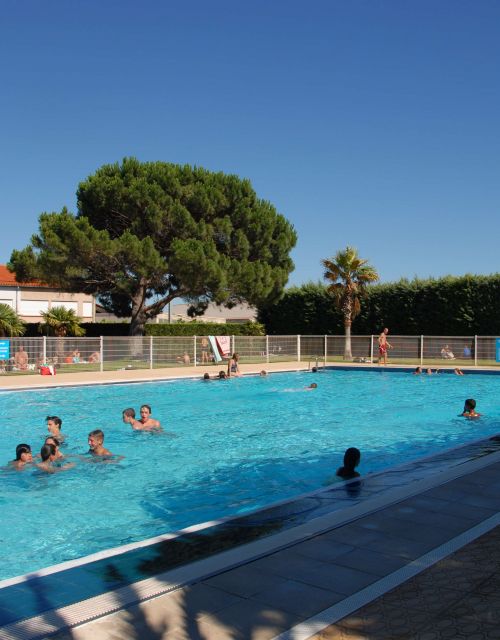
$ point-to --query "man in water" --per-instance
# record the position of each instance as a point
(383, 345)
(128, 416)
(23, 456)
(54, 424)
(96, 443)
(146, 420)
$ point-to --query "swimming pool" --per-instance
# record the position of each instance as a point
(238, 445)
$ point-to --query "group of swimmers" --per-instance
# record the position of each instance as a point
(50, 458)
(457, 371)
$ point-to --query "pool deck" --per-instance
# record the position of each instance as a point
(419, 562)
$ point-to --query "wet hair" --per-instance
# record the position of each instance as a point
(146, 406)
(54, 440)
(222, 374)
(314, 370)
(97, 433)
(418, 369)
(263, 373)
(470, 403)
(206, 376)
(352, 456)
(22, 448)
(129, 413)
(313, 386)
(55, 419)
(46, 451)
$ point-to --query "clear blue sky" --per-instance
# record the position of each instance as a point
(374, 123)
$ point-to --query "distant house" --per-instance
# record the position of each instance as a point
(29, 299)
(239, 314)
(178, 312)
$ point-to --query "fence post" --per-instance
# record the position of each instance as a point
(101, 349)
(371, 348)
(298, 348)
(194, 351)
(150, 352)
(233, 349)
(475, 351)
(267, 349)
(421, 350)
(326, 350)
(44, 350)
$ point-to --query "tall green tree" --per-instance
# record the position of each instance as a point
(348, 275)
(147, 233)
(10, 323)
(61, 322)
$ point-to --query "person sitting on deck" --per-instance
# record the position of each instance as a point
(447, 353)
(21, 359)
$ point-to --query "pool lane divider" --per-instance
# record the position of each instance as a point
(42, 603)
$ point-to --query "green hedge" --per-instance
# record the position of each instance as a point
(205, 329)
(451, 306)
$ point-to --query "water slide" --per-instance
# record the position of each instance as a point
(215, 348)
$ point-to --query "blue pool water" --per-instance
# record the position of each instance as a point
(237, 445)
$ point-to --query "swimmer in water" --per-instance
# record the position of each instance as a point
(417, 371)
(23, 456)
(128, 416)
(48, 455)
(56, 443)
(206, 377)
(222, 375)
(96, 443)
(312, 386)
(147, 422)
(54, 424)
(352, 456)
(470, 409)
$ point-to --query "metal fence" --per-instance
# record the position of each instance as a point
(108, 353)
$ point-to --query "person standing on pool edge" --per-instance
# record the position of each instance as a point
(383, 345)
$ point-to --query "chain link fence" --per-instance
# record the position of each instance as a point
(112, 353)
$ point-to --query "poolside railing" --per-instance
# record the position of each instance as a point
(108, 353)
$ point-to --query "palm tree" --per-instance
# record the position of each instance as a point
(349, 275)
(10, 323)
(61, 322)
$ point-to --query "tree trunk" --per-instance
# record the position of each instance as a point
(347, 343)
(139, 317)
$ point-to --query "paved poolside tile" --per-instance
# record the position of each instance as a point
(463, 518)
(353, 535)
(379, 564)
(322, 548)
(298, 598)
(244, 581)
(248, 620)
(392, 545)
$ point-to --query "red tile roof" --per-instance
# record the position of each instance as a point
(8, 279)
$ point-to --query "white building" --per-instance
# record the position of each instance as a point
(29, 299)
(239, 314)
